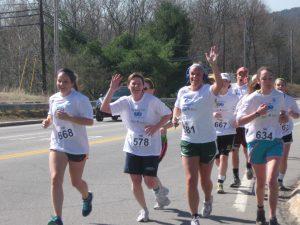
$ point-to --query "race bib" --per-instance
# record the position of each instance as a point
(285, 127)
(221, 125)
(140, 140)
(65, 132)
(265, 134)
(188, 127)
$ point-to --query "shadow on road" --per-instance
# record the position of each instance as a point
(222, 219)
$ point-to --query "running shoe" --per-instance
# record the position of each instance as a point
(162, 203)
(55, 220)
(260, 218)
(220, 189)
(249, 173)
(207, 208)
(236, 183)
(143, 215)
(273, 221)
(282, 187)
(195, 220)
(87, 205)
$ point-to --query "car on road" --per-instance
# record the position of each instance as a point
(122, 91)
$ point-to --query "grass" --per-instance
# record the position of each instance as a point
(20, 96)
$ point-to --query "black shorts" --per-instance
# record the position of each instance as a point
(225, 144)
(141, 165)
(287, 139)
(76, 158)
(240, 138)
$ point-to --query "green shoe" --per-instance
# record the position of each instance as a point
(87, 205)
(55, 220)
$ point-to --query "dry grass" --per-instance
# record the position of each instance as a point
(16, 96)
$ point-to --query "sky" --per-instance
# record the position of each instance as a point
(278, 5)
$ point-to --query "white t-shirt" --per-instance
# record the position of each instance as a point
(291, 104)
(136, 115)
(197, 114)
(225, 104)
(265, 127)
(239, 91)
(66, 136)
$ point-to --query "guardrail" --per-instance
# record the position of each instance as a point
(42, 106)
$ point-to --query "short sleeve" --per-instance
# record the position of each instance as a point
(85, 108)
(118, 106)
(161, 108)
(177, 102)
(243, 108)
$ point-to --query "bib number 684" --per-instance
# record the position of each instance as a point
(65, 134)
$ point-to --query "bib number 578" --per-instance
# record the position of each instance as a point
(141, 142)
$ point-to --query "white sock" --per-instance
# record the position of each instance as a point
(220, 177)
(281, 176)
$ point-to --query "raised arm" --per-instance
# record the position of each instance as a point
(212, 58)
(114, 86)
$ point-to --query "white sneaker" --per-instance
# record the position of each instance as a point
(143, 215)
(207, 208)
(162, 203)
(195, 220)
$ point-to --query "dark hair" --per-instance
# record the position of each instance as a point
(135, 75)
(150, 82)
(71, 75)
(264, 68)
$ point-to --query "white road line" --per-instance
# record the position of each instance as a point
(244, 190)
(94, 137)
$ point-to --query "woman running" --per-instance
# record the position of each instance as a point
(143, 139)
(70, 112)
(287, 128)
(224, 121)
(263, 111)
(150, 89)
(194, 104)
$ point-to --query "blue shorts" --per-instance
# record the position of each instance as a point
(260, 150)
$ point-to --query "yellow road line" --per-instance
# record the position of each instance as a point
(44, 151)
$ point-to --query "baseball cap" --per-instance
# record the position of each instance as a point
(242, 69)
(225, 76)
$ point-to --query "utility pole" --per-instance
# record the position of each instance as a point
(56, 39)
(245, 43)
(291, 55)
(224, 46)
(42, 35)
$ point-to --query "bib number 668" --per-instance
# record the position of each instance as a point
(65, 134)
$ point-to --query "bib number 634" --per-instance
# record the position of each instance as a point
(264, 135)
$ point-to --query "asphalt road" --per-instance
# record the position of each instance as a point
(25, 185)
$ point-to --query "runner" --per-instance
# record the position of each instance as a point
(287, 129)
(263, 111)
(194, 105)
(149, 88)
(240, 88)
(70, 112)
(224, 121)
(143, 140)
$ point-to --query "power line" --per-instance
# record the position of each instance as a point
(19, 25)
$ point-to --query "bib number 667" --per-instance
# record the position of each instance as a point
(65, 134)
